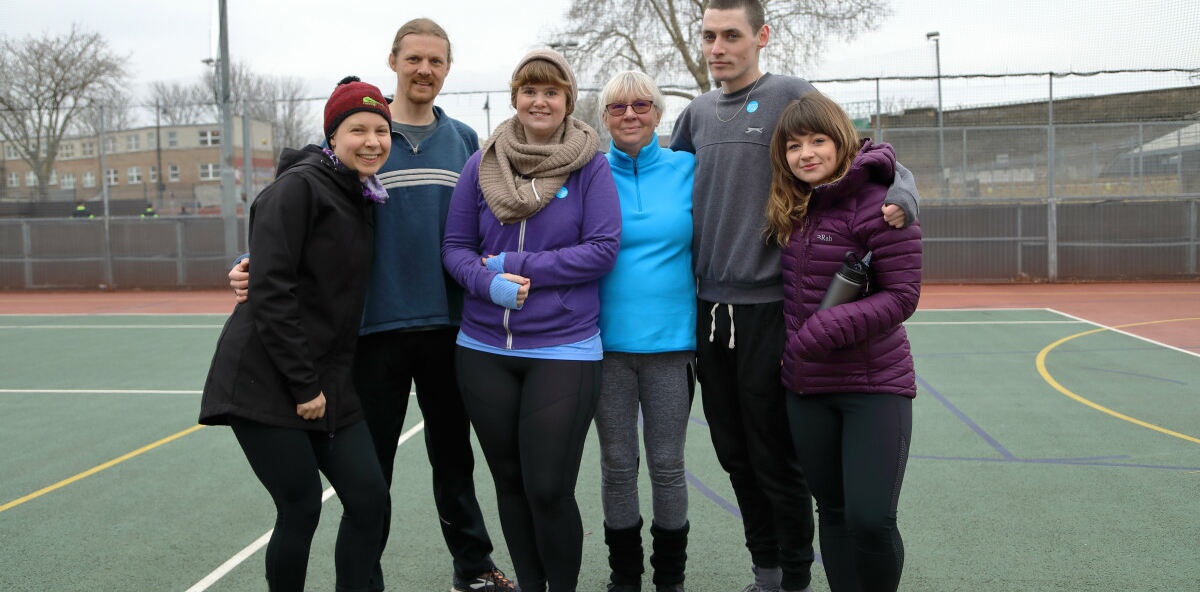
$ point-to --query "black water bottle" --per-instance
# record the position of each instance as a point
(849, 282)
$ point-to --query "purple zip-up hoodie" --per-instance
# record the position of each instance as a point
(564, 250)
(859, 347)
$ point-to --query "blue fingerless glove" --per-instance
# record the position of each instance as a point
(504, 292)
(496, 263)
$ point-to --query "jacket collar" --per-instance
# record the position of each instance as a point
(647, 156)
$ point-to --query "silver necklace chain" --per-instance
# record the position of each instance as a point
(717, 106)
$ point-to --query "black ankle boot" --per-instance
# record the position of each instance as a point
(669, 557)
(625, 558)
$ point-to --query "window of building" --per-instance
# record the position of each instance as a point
(210, 137)
(53, 178)
(133, 175)
(31, 179)
(89, 179)
(110, 144)
(151, 140)
(14, 179)
(173, 173)
(66, 150)
(210, 171)
(153, 174)
(10, 153)
(132, 142)
(172, 139)
(88, 148)
(110, 177)
(68, 181)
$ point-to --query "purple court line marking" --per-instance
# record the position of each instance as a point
(698, 421)
(1057, 461)
(1014, 352)
(712, 495)
(1135, 374)
(963, 417)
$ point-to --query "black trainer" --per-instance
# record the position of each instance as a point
(488, 581)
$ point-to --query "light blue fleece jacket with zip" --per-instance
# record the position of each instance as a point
(648, 300)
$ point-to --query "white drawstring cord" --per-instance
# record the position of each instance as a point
(712, 328)
(731, 327)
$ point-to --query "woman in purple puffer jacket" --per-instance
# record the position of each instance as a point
(848, 369)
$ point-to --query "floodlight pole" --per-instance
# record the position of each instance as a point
(228, 188)
(937, 52)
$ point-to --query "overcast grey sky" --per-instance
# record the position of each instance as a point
(320, 41)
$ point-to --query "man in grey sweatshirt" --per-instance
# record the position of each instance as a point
(740, 327)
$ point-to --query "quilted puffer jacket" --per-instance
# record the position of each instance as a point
(859, 347)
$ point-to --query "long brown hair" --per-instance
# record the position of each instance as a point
(811, 113)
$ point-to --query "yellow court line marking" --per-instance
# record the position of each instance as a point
(1041, 366)
(97, 469)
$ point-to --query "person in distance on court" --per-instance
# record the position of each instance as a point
(848, 368)
(280, 376)
(647, 323)
(413, 308)
(533, 225)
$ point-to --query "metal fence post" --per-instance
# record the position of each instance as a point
(1052, 239)
(27, 253)
(1020, 243)
(1191, 256)
(180, 266)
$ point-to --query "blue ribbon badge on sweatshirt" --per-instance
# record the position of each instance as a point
(562, 192)
(752, 107)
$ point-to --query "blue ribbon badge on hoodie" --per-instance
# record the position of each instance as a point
(562, 192)
(752, 107)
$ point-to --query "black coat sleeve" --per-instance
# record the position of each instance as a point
(279, 226)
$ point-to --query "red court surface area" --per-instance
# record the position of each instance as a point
(1172, 308)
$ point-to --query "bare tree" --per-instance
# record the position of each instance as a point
(278, 100)
(182, 103)
(662, 37)
(113, 106)
(45, 83)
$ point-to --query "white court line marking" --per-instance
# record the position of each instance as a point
(109, 392)
(1126, 333)
(111, 326)
(97, 392)
(245, 554)
(118, 314)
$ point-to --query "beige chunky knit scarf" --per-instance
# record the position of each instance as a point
(519, 179)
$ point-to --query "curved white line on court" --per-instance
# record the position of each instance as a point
(259, 543)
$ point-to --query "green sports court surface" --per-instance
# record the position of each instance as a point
(1049, 453)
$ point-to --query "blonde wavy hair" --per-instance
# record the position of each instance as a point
(787, 204)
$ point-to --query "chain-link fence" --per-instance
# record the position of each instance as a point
(1092, 176)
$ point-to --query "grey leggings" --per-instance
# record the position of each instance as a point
(661, 385)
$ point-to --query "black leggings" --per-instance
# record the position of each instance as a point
(531, 417)
(287, 462)
(854, 448)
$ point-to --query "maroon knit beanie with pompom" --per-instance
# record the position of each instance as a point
(351, 96)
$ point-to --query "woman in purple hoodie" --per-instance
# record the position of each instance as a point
(533, 225)
(848, 369)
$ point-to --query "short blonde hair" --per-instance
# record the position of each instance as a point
(630, 83)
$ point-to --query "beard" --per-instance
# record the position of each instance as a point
(419, 94)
